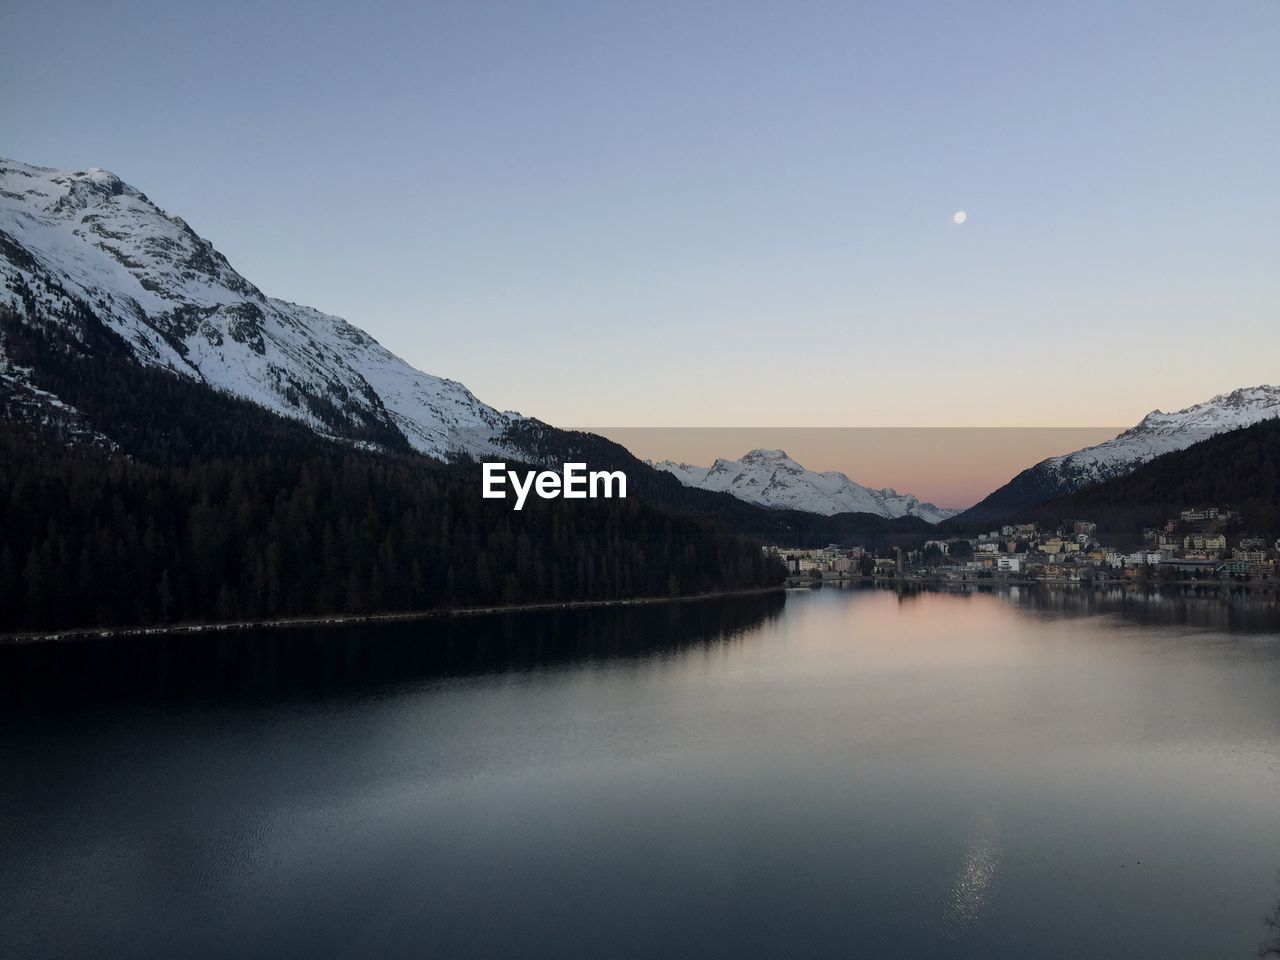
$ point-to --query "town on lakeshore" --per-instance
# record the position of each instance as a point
(1200, 544)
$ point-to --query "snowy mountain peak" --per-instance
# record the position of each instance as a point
(766, 456)
(86, 243)
(1226, 411)
(1243, 396)
(771, 478)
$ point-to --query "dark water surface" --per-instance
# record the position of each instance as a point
(843, 774)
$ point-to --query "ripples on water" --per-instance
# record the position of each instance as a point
(972, 886)
(1038, 773)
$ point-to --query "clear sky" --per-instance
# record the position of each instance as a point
(714, 214)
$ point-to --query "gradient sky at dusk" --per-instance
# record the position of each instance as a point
(947, 466)
(717, 213)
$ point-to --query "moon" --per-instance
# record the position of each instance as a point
(960, 216)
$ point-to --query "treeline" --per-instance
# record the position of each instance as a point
(164, 419)
(89, 538)
(213, 508)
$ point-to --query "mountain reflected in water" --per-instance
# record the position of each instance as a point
(1235, 609)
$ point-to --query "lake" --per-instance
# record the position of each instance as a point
(836, 773)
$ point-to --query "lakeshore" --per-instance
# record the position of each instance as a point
(1266, 587)
(961, 583)
(337, 620)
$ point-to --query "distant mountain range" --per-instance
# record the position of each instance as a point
(1159, 433)
(90, 266)
(772, 479)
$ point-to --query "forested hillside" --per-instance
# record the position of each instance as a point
(196, 505)
(130, 495)
(1240, 469)
(91, 538)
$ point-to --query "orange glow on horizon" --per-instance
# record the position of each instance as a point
(951, 467)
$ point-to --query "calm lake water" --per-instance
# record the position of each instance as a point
(844, 773)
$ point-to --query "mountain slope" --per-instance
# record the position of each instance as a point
(79, 242)
(122, 329)
(1236, 468)
(772, 479)
(1158, 433)
(92, 538)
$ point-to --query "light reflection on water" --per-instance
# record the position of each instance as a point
(849, 773)
(977, 873)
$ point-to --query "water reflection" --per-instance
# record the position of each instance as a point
(1238, 610)
(269, 664)
(972, 887)
(1227, 608)
(853, 773)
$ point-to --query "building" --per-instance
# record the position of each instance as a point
(1143, 558)
(1205, 541)
(1061, 571)
(1189, 568)
(1236, 567)
(1199, 514)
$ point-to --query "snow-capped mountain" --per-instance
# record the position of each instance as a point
(1157, 434)
(86, 242)
(772, 479)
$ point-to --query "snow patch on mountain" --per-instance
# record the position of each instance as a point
(21, 401)
(770, 478)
